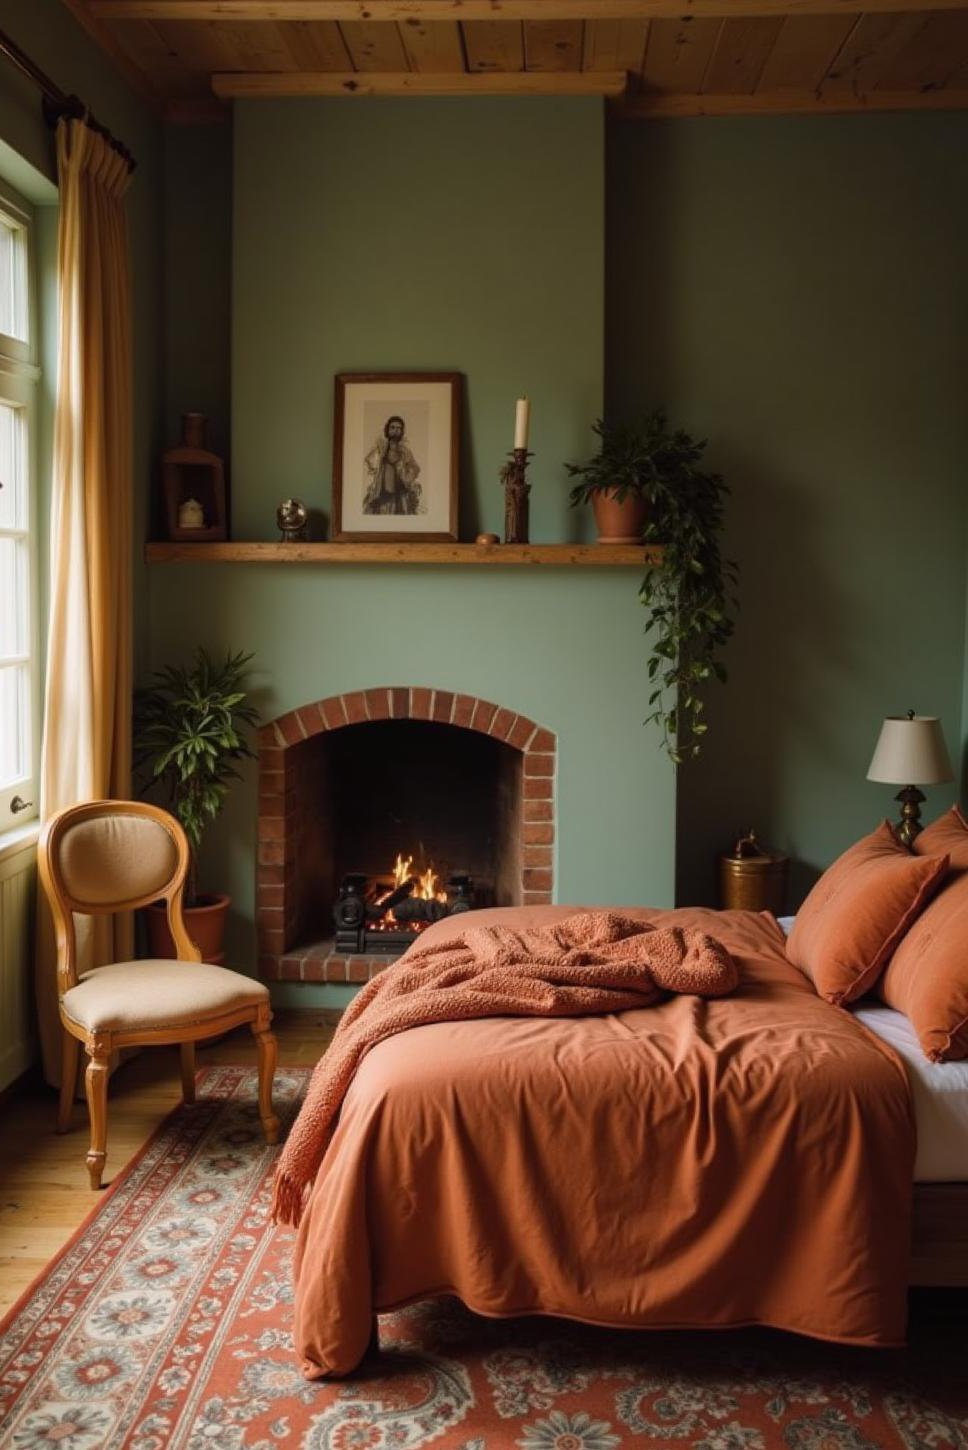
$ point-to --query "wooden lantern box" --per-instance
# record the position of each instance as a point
(189, 471)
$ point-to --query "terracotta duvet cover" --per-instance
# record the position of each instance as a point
(696, 1163)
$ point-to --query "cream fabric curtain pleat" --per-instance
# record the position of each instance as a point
(87, 714)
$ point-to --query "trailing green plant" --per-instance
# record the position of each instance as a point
(188, 737)
(689, 589)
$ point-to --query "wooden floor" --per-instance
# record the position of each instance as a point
(44, 1194)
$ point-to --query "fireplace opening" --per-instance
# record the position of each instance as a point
(424, 824)
(446, 803)
(385, 810)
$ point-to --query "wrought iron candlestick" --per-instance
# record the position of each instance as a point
(516, 491)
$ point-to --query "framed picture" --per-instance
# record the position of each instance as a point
(396, 439)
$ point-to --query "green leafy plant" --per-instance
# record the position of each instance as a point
(188, 738)
(629, 459)
(689, 589)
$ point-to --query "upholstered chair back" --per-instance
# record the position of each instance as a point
(110, 859)
(108, 856)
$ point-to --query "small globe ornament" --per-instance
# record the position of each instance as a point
(292, 516)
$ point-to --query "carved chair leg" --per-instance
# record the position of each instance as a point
(266, 1044)
(96, 1083)
(188, 1071)
(70, 1048)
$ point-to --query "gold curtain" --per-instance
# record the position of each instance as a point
(87, 713)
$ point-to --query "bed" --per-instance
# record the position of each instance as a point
(697, 1163)
(939, 1092)
(939, 1256)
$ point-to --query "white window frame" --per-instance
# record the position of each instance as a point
(19, 377)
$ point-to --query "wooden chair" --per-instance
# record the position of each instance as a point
(109, 856)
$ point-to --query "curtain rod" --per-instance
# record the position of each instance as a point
(56, 103)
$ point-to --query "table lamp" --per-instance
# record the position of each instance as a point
(910, 751)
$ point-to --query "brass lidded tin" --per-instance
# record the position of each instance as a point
(752, 879)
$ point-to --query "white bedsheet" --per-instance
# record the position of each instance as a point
(939, 1090)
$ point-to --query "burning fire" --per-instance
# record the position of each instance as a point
(425, 885)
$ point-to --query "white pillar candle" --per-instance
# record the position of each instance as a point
(522, 418)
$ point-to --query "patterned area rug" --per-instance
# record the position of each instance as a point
(164, 1326)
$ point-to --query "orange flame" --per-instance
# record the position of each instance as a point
(401, 870)
(426, 886)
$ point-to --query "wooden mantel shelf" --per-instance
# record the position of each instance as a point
(594, 556)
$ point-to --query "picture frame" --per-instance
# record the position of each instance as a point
(396, 457)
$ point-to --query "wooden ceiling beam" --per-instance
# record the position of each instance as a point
(787, 103)
(493, 10)
(239, 84)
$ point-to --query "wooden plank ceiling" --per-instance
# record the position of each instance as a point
(720, 57)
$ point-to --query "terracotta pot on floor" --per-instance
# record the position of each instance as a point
(619, 523)
(205, 924)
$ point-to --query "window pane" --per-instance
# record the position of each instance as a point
(13, 473)
(13, 280)
(14, 596)
(14, 730)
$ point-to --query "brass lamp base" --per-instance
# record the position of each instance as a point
(909, 825)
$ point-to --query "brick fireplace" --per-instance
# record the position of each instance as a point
(476, 780)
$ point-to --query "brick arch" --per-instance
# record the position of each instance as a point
(405, 702)
(279, 957)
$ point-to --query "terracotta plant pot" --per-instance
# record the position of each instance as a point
(619, 523)
(205, 924)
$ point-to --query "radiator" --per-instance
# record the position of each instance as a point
(18, 884)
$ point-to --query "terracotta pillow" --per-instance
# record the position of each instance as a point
(947, 836)
(927, 978)
(857, 913)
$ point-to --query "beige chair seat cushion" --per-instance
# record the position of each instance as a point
(154, 995)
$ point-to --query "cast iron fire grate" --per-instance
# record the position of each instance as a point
(375, 915)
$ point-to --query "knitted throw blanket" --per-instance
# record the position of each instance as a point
(593, 962)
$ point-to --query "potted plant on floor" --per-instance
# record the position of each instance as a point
(689, 588)
(188, 737)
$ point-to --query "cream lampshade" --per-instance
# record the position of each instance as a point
(910, 751)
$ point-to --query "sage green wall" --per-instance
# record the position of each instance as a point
(198, 278)
(51, 37)
(795, 290)
(409, 235)
(419, 235)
